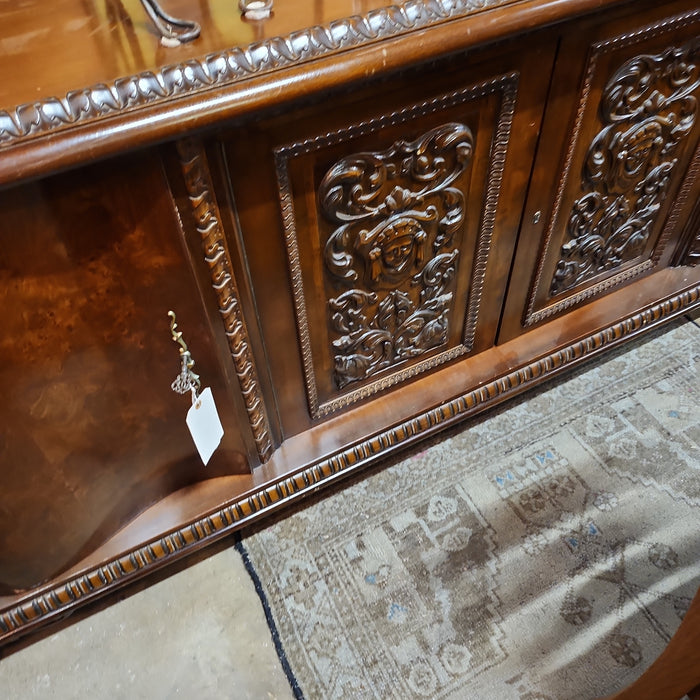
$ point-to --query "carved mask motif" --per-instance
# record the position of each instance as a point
(647, 109)
(392, 252)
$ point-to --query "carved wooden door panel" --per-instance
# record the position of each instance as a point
(617, 164)
(396, 211)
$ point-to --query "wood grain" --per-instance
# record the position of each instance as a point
(126, 110)
(104, 227)
(91, 431)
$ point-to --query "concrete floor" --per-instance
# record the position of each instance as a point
(196, 634)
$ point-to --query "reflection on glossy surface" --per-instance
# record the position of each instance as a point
(48, 50)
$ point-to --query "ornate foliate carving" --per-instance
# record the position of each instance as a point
(313, 313)
(647, 110)
(396, 217)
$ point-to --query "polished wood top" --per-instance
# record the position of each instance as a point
(49, 50)
(94, 76)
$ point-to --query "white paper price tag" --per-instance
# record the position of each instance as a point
(205, 426)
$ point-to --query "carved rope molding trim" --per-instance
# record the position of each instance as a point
(507, 85)
(208, 220)
(499, 148)
(228, 67)
(51, 602)
(533, 316)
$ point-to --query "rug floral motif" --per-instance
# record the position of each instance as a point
(544, 552)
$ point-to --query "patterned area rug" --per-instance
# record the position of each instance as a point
(547, 551)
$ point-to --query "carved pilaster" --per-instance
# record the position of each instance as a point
(208, 221)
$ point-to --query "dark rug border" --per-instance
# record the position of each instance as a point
(272, 625)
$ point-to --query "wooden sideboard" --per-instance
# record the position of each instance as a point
(371, 221)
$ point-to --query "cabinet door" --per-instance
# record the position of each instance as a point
(379, 225)
(615, 163)
(91, 432)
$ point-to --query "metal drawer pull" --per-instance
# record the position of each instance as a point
(173, 31)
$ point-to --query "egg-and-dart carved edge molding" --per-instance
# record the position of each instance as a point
(506, 86)
(58, 599)
(227, 67)
(533, 315)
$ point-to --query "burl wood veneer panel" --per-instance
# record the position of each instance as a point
(617, 164)
(90, 430)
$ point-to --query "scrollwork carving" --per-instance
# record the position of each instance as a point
(399, 328)
(397, 216)
(208, 221)
(647, 109)
(320, 395)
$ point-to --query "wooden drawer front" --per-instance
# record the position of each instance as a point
(388, 224)
(632, 136)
